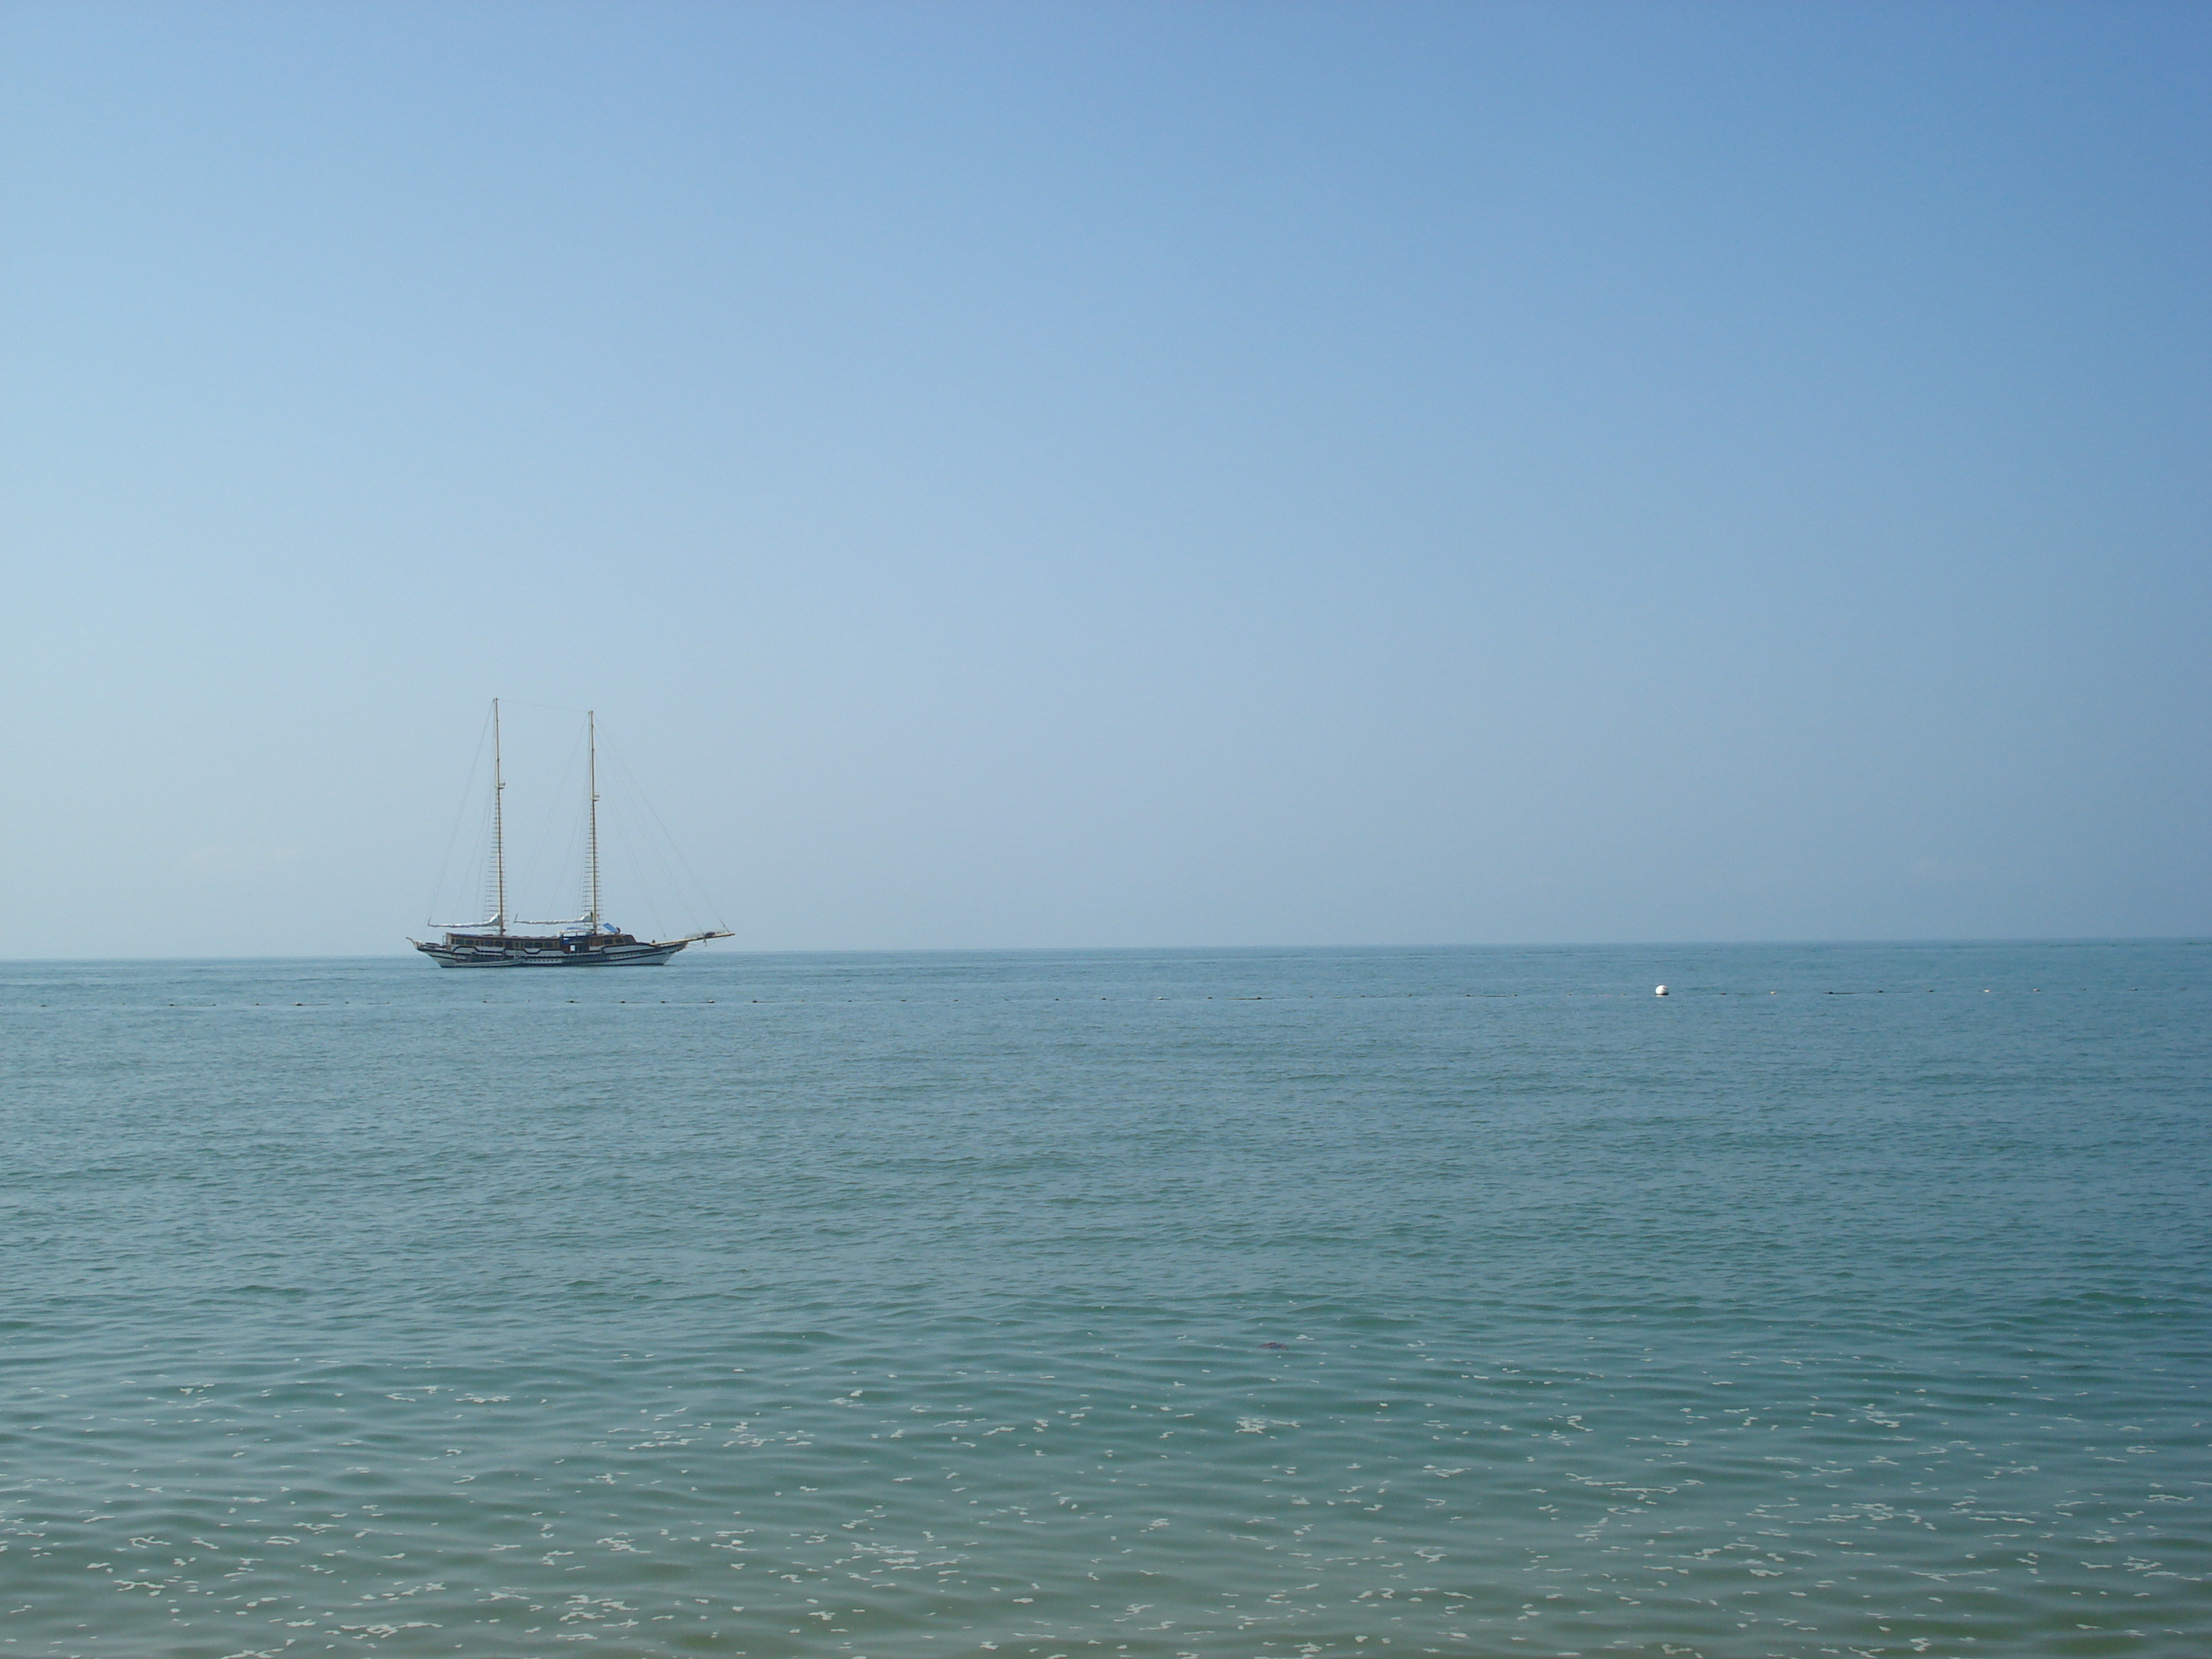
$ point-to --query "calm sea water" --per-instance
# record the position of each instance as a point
(1849, 1300)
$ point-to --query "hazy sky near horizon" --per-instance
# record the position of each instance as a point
(1032, 475)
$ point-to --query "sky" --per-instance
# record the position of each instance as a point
(1039, 476)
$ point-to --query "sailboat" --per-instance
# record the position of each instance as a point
(585, 941)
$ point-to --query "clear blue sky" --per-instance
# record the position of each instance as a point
(1115, 474)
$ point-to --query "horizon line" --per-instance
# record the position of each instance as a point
(1955, 942)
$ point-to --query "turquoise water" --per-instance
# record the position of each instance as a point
(1849, 1300)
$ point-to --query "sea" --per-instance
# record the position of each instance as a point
(1848, 1299)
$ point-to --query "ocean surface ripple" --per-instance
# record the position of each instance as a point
(1848, 1300)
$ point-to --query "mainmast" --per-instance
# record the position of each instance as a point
(498, 828)
(592, 750)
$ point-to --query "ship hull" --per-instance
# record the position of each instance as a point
(639, 955)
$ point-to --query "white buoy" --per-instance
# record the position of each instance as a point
(1660, 992)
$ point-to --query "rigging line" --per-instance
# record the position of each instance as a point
(483, 856)
(698, 886)
(473, 897)
(438, 891)
(664, 901)
(674, 910)
(664, 848)
(570, 866)
(572, 862)
(533, 872)
(641, 905)
(651, 890)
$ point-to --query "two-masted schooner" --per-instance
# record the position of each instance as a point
(585, 941)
